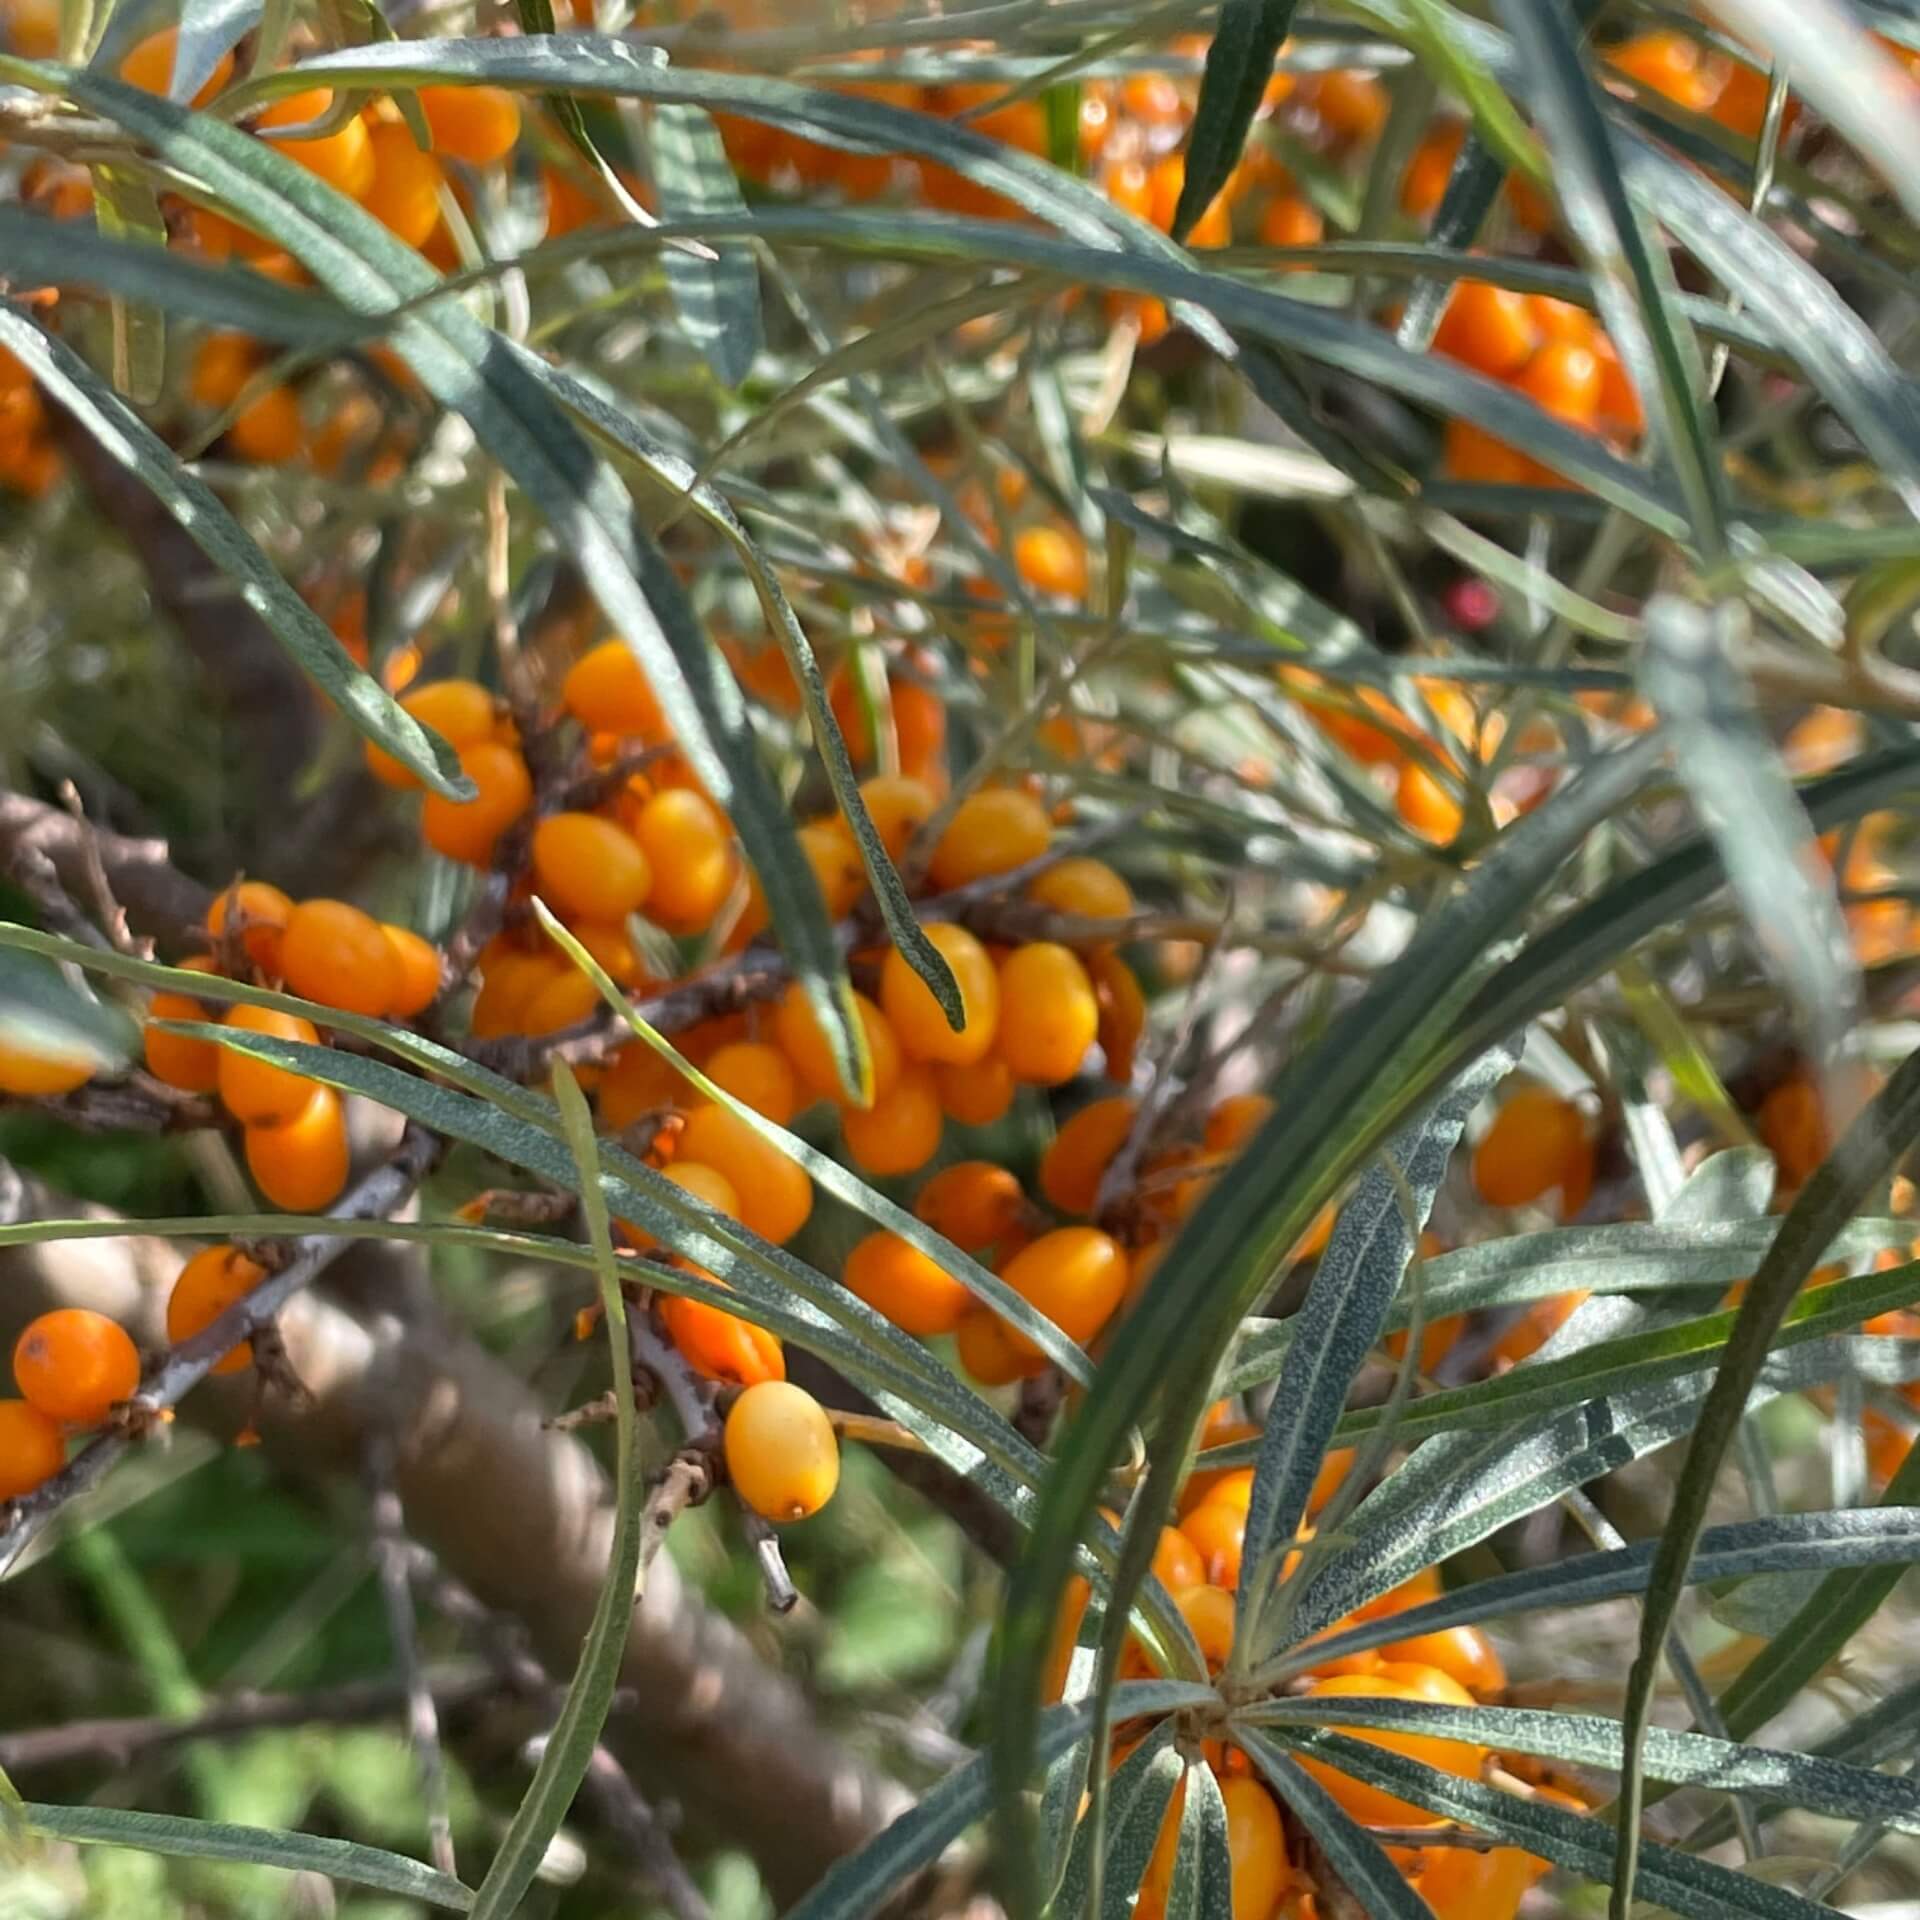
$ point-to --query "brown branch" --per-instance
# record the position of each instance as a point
(159, 900)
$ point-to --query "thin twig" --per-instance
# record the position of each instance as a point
(782, 1595)
(107, 910)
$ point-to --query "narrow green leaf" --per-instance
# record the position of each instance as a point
(1246, 37)
(163, 1833)
(42, 1011)
(576, 1732)
(718, 299)
(125, 438)
(125, 207)
(209, 31)
(1137, 1798)
(1883, 1131)
(1203, 1866)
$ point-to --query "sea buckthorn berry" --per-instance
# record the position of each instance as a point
(1176, 1562)
(268, 431)
(899, 806)
(1075, 1276)
(1792, 1122)
(1074, 1163)
(563, 1000)
(804, 1042)
(1218, 1533)
(919, 719)
(976, 1095)
(1491, 329)
(1048, 1014)
(1291, 220)
(899, 1133)
(333, 953)
(896, 1279)
(689, 847)
(973, 1203)
(33, 1072)
(1235, 1121)
(462, 712)
(223, 363)
(1052, 560)
(706, 1184)
(984, 1348)
(1474, 455)
(1464, 1654)
(606, 690)
(720, 1345)
(919, 1024)
(343, 158)
(1426, 806)
(1561, 319)
(1424, 184)
(1351, 105)
(255, 1090)
(991, 832)
(1533, 1145)
(149, 66)
(1672, 65)
(1087, 888)
(416, 971)
(1416, 1592)
(1372, 1805)
(466, 830)
(261, 912)
(1209, 1612)
(31, 1449)
(588, 868)
(608, 945)
(637, 1081)
(301, 1164)
(1123, 1011)
(180, 1061)
(1618, 412)
(212, 1281)
(759, 1076)
(775, 1194)
(508, 984)
(1256, 1849)
(781, 1454)
(1563, 378)
(404, 194)
(75, 1365)
(476, 124)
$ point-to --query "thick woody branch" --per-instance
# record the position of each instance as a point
(160, 901)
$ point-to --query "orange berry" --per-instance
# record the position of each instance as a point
(75, 1365)
(1176, 1562)
(1123, 1011)
(588, 868)
(612, 951)
(508, 985)
(466, 830)
(1218, 1533)
(1534, 1329)
(1464, 1654)
(254, 1090)
(215, 1279)
(1618, 412)
(223, 363)
(31, 1449)
(476, 124)
(333, 953)
(1672, 65)
(1048, 1014)
(1256, 1849)
(149, 66)
(1792, 1122)
(1563, 377)
(919, 718)
(1533, 1144)
(33, 1073)
(606, 690)
(1130, 187)
(973, 1203)
(984, 1347)
(896, 1279)
(1424, 184)
(404, 194)
(1087, 888)
(775, 1194)
(689, 847)
(1052, 560)
(976, 1095)
(191, 1065)
(1491, 329)
(1203, 1486)
(720, 1345)
(1474, 455)
(917, 1020)
(1291, 220)
(563, 999)
(343, 159)
(1561, 319)
(1374, 1805)
(416, 972)
(1426, 806)
(899, 806)
(268, 431)
(706, 1184)
(301, 1164)
(759, 1077)
(462, 712)
(782, 1457)
(1209, 1612)
(1351, 105)
(1074, 1163)
(261, 911)
(1235, 1121)
(897, 1134)
(1152, 98)
(991, 832)
(804, 1042)
(1076, 1276)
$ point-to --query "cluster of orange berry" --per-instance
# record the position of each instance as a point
(29, 460)
(73, 1367)
(1198, 1562)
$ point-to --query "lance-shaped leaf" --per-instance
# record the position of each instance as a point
(1246, 37)
(718, 299)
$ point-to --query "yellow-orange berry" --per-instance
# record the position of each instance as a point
(1793, 1123)
(918, 1022)
(1076, 1276)
(1374, 1805)
(1218, 1533)
(991, 832)
(255, 1090)
(33, 1071)
(899, 806)
(1235, 1121)
(466, 830)
(1087, 888)
(212, 1281)
(261, 912)
(268, 431)
(75, 1365)
(976, 1095)
(343, 158)
(1464, 1654)
(689, 847)
(706, 1184)
(973, 1203)
(983, 1347)
(1256, 1849)
(31, 1449)
(1535, 1143)
(1052, 560)
(462, 712)
(404, 193)
(301, 1164)
(564, 999)
(1491, 329)
(776, 1195)
(898, 1134)
(721, 1345)
(757, 1075)
(476, 124)
(1072, 1166)
(781, 1454)
(606, 690)
(416, 971)
(333, 953)
(149, 66)
(223, 363)
(1209, 1612)
(191, 1065)
(804, 1042)
(896, 1279)
(1048, 1014)
(588, 868)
